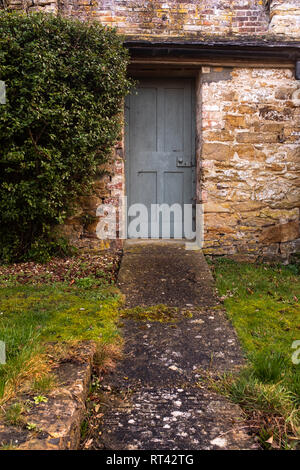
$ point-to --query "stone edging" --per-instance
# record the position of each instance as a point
(58, 421)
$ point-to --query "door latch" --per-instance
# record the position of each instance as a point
(181, 163)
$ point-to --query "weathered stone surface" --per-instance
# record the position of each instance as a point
(280, 233)
(58, 421)
(285, 17)
(157, 398)
(144, 283)
(258, 181)
(212, 151)
(215, 208)
(176, 418)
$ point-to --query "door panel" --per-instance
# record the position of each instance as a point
(147, 187)
(173, 187)
(160, 151)
(173, 120)
(173, 194)
(143, 121)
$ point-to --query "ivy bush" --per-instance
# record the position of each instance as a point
(65, 84)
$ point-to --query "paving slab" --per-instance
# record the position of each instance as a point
(162, 272)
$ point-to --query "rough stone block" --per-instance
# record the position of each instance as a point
(216, 151)
(280, 233)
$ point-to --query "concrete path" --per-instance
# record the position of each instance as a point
(157, 398)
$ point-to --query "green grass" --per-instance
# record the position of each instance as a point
(14, 414)
(32, 315)
(262, 302)
(44, 384)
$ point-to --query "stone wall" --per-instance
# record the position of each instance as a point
(285, 17)
(251, 161)
(108, 188)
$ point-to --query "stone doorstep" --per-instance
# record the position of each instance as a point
(58, 421)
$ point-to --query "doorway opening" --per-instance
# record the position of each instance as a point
(160, 158)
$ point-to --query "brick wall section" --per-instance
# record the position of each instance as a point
(189, 18)
(167, 19)
(251, 161)
(152, 18)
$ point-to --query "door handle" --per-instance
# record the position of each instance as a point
(181, 163)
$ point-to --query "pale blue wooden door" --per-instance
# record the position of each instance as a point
(160, 153)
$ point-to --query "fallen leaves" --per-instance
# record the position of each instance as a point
(103, 264)
(88, 443)
(270, 440)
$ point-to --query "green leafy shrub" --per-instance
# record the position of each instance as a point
(65, 85)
